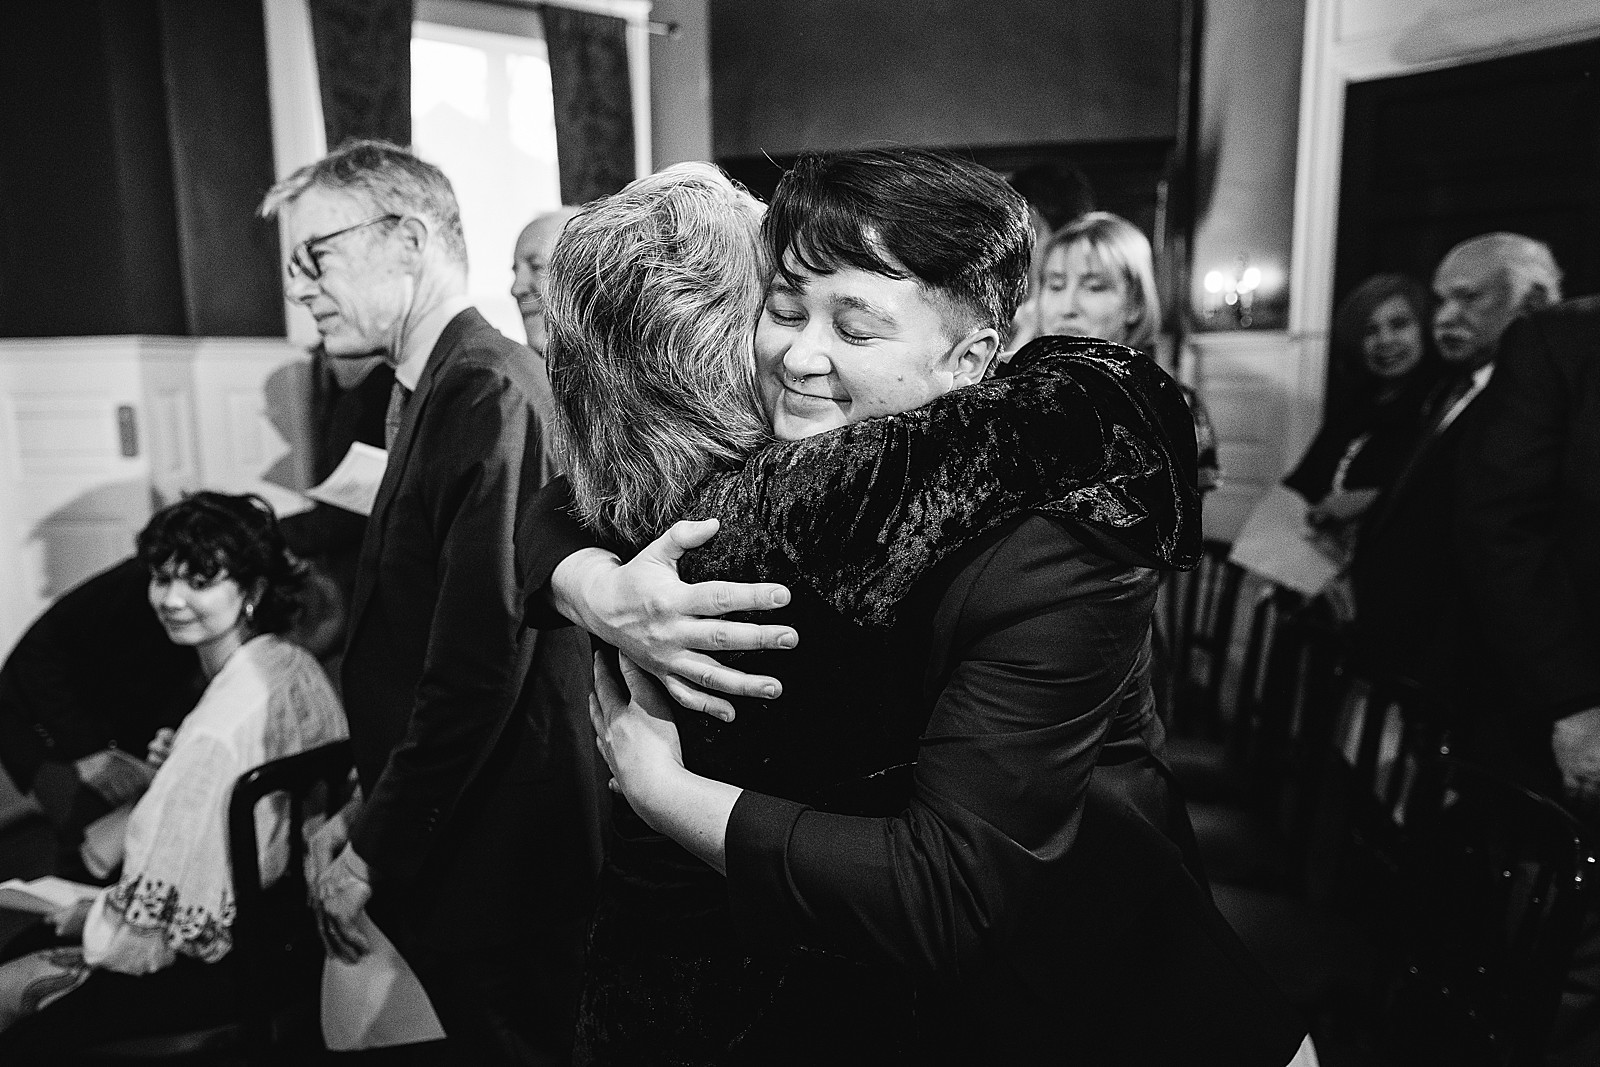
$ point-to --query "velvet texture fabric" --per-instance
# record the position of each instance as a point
(859, 522)
(1073, 428)
(364, 68)
(593, 102)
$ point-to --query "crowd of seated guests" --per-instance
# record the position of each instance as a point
(151, 953)
(1452, 484)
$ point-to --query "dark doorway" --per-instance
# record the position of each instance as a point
(1506, 144)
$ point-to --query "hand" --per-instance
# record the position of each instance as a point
(69, 920)
(323, 845)
(1576, 743)
(658, 621)
(634, 729)
(161, 746)
(1340, 507)
(340, 899)
(113, 775)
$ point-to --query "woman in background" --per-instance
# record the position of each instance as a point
(150, 953)
(1099, 281)
(1380, 347)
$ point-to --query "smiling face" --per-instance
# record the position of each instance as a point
(529, 282)
(205, 614)
(1391, 344)
(837, 348)
(363, 293)
(1084, 296)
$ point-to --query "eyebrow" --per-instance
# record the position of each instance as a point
(855, 303)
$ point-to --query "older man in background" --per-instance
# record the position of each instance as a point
(477, 843)
(529, 260)
(1409, 578)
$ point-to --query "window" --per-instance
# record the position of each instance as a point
(481, 110)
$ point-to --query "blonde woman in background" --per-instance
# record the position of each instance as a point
(1098, 280)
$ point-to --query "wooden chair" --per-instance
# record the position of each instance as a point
(1496, 881)
(274, 936)
(1266, 768)
(1384, 742)
(1200, 613)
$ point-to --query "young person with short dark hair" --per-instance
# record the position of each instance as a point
(950, 840)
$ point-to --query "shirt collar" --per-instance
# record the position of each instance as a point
(420, 339)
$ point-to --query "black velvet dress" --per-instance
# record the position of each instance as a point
(858, 522)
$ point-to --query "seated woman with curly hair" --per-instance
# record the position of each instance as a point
(149, 954)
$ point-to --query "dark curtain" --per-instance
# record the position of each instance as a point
(137, 142)
(593, 102)
(364, 68)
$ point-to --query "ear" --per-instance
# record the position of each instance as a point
(1534, 299)
(971, 356)
(413, 235)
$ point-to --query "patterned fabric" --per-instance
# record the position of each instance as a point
(364, 68)
(1074, 428)
(271, 699)
(593, 102)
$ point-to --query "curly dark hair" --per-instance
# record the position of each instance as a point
(209, 534)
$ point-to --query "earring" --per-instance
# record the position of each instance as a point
(249, 611)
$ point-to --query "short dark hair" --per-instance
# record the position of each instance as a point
(955, 226)
(207, 534)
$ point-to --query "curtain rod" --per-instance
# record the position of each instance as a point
(669, 30)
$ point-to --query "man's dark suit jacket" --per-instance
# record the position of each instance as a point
(1528, 485)
(1410, 585)
(471, 734)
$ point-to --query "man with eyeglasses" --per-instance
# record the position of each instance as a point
(477, 842)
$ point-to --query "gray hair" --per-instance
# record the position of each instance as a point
(654, 294)
(386, 178)
(1120, 246)
(1530, 268)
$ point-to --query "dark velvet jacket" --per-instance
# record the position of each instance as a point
(1083, 451)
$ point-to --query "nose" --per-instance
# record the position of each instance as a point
(298, 289)
(170, 595)
(807, 353)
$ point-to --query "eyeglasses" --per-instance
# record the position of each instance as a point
(303, 261)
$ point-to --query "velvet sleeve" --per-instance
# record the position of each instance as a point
(1083, 430)
(1045, 636)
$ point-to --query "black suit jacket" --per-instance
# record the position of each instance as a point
(1041, 885)
(471, 734)
(1408, 580)
(1528, 483)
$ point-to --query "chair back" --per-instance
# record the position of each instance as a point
(271, 940)
(1381, 751)
(1285, 704)
(1496, 881)
(1201, 613)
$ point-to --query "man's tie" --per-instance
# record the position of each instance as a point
(398, 395)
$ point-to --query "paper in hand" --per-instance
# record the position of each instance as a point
(43, 895)
(353, 485)
(375, 1002)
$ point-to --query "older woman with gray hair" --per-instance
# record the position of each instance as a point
(887, 782)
